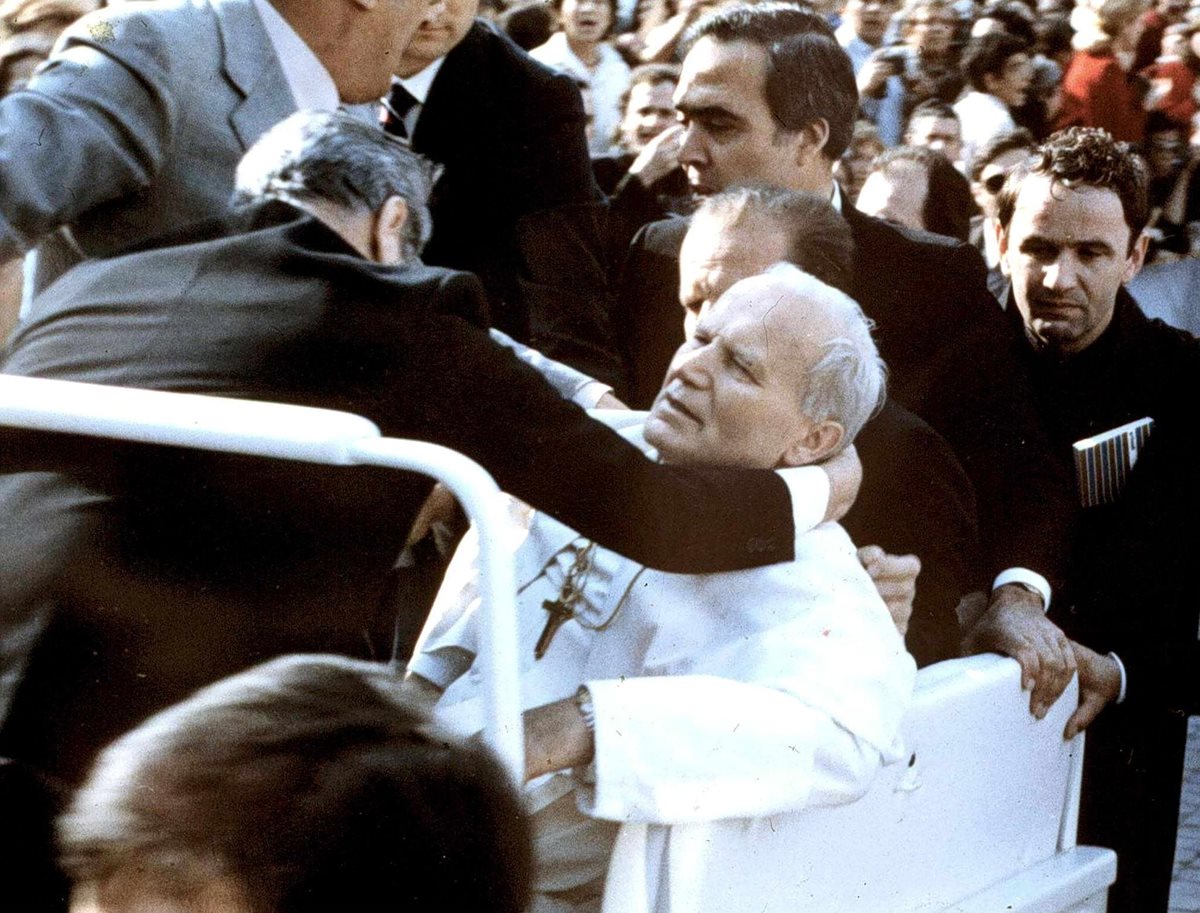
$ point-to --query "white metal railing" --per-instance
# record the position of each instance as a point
(309, 435)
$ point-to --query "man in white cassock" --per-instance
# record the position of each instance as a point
(668, 698)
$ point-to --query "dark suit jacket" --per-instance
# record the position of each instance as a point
(916, 499)
(952, 359)
(516, 204)
(161, 570)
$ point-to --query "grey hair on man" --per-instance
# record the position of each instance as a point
(848, 382)
(334, 158)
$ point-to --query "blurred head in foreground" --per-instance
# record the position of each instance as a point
(304, 784)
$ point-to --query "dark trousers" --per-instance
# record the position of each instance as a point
(1132, 778)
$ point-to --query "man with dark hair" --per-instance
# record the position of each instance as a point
(918, 188)
(989, 168)
(646, 105)
(131, 575)
(743, 124)
(1000, 72)
(1071, 234)
(304, 785)
(934, 125)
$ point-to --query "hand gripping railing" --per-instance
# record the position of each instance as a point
(308, 435)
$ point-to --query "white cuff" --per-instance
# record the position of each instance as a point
(809, 489)
(1027, 577)
(1121, 666)
(590, 394)
(441, 667)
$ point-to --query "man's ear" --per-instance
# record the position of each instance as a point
(1137, 257)
(815, 442)
(387, 239)
(812, 141)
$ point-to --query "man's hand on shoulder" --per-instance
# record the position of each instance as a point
(1099, 685)
(895, 577)
(1016, 625)
(845, 477)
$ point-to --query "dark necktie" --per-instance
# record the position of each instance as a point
(394, 108)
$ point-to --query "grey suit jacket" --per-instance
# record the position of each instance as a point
(134, 127)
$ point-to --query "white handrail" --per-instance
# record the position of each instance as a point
(311, 435)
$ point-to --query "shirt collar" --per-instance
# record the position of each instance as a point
(835, 197)
(307, 79)
(419, 84)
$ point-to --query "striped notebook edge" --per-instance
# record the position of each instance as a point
(1103, 462)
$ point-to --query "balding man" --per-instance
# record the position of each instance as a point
(644, 675)
(135, 126)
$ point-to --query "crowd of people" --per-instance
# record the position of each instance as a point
(795, 326)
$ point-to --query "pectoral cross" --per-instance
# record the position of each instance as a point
(560, 614)
(562, 609)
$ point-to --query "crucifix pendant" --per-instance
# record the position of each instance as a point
(560, 612)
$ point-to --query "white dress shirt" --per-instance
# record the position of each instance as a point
(309, 81)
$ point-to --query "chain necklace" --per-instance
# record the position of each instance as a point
(562, 609)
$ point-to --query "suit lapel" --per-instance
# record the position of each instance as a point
(455, 91)
(252, 67)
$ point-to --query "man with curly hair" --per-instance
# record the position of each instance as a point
(1071, 235)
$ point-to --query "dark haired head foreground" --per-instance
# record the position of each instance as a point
(304, 784)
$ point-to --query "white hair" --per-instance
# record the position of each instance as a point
(848, 382)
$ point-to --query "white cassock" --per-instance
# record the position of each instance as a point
(730, 695)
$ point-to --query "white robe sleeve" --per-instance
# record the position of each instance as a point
(702, 748)
(569, 383)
